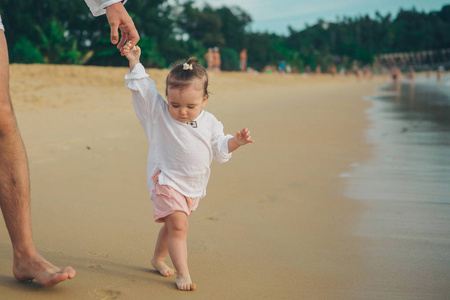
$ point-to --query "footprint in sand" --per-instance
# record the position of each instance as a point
(96, 267)
(105, 294)
(99, 254)
(212, 219)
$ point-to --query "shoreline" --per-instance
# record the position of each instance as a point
(403, 185)
(275, 222)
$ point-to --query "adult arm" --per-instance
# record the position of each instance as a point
(98, 7)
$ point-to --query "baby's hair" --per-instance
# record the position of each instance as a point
(182, 75)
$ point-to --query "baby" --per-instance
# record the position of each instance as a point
(184, 139)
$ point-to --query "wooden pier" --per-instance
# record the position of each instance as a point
(420, 60)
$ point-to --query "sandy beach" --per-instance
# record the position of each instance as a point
(275, 223)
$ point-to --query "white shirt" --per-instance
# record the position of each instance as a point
(98, 7)
(182, 153)
(1, 24)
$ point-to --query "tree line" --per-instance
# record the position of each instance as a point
(65, 32)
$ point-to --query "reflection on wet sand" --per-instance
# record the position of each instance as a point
(406, 190)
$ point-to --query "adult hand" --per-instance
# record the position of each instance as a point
(118, 17)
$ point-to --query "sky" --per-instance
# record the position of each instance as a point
(274, 16)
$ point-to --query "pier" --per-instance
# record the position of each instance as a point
(420, 60)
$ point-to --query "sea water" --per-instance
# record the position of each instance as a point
(405, 189)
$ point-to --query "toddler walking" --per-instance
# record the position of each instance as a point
(183, 141)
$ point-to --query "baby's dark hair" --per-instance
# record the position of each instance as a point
(182, 75)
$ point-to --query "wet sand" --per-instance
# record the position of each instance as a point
(275, 223)
(405, 229)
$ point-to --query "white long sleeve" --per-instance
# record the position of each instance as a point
(181, 152)
(98, 7)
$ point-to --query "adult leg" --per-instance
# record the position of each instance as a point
(161, 251)
(15, 191)
(177, 227)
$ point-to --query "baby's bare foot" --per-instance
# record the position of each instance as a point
(162, 267)
(36, 267)
(184, 283)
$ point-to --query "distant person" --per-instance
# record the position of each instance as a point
(269, 69)
(318, 70)
(243, 60)
(209, 57)
(28, 264)
(333, 70)
(184, 139)
(217, 60)
(308, 69)
(282, 66)
(359, 73)
(395, 73)
(439, 73)
(288, 69)
(412, 74)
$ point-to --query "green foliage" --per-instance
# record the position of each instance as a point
(262, 50)
(57, 46)
(24, 52)
(230, 60)
(234, 21)
(65, 32)
(150, 56)
(203, 25)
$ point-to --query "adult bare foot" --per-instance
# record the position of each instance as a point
(36, 267)
(184, 283)
(162, 267)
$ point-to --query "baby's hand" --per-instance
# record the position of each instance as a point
(243, 137)
(132, 54)
(240, 139)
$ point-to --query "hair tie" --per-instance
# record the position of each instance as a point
(187, 66)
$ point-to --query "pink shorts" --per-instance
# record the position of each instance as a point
(167, 200)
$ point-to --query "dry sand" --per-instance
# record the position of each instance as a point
(274, 224)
